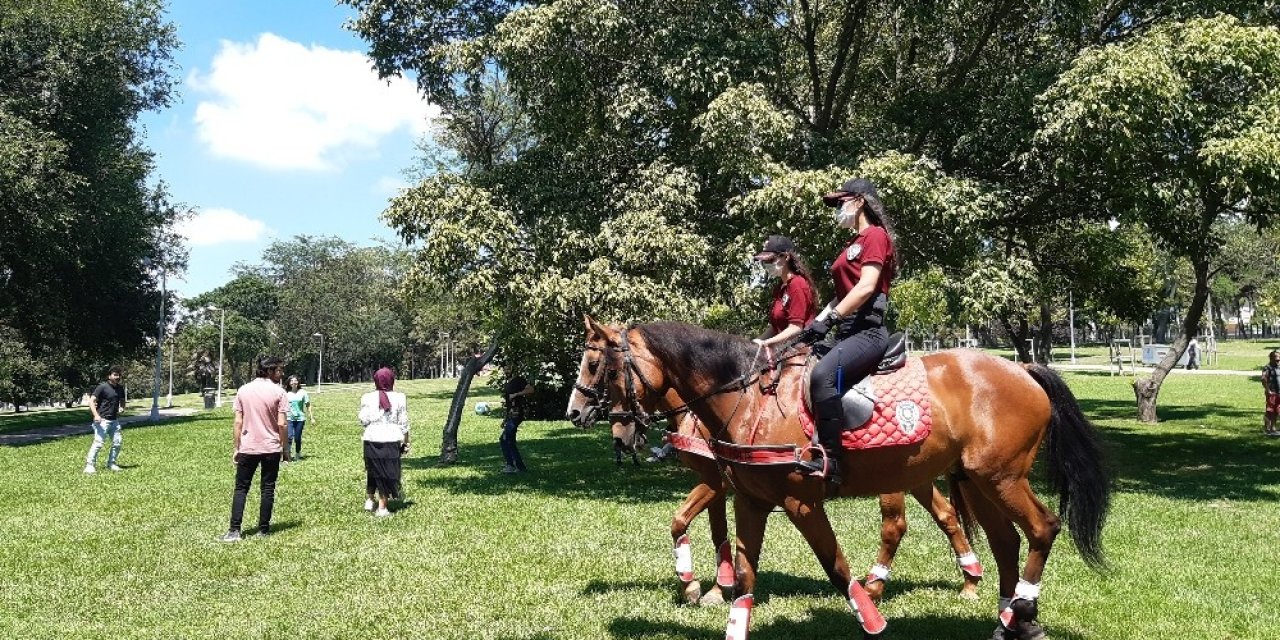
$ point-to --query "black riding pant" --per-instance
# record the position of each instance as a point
(856, 354)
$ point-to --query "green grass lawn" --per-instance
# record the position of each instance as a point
(578, 549)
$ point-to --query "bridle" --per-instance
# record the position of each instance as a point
(633, 412)
(599, 389)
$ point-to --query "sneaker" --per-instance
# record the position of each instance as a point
(230, 536)
(88, 468)
(116, 467)
(381, 513)
(508, 469)
(368, 505)
(657, 452)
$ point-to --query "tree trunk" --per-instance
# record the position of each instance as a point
(1146, 390)
(449, 441)
(1044, 339)
(1018, 337)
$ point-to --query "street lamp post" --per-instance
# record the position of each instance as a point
(155, 386)
(320, 365)
(222, 332)
(173, 345)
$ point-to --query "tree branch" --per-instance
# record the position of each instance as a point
(850, 28)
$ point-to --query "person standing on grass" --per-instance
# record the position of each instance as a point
(1271, 389)
(515, 394)
(299, 413)
(106, 402)
(1193, 354)
(258, 438)
(385, 416)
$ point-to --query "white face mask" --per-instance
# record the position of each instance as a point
(774, 268)
(847, 215)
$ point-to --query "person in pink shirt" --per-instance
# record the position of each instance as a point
(259, 436)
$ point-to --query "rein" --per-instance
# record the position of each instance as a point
(598, 391)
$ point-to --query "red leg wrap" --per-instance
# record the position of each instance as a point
(865, 610)
(684, 559)
(725, 575)
(739, 618)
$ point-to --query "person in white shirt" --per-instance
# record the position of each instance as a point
(385, 416)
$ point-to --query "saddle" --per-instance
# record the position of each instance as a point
(860, 400)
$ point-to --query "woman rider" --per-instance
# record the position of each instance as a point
(794, 303)
(862, 273)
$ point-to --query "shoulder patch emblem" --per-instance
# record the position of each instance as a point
(854, 251)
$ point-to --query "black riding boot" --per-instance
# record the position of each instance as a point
(830, 429)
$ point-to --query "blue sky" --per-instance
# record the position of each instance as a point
(280, 128)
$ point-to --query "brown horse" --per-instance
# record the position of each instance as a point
(989, 419)
(709, 494)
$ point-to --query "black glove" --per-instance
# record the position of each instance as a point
(815, 331)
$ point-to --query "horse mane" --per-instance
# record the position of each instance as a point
(721, 356)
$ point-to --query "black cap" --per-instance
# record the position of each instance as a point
(855, 187)
(774, 245)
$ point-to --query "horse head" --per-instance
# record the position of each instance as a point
(616, 379)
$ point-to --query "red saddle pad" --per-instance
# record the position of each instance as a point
(902, 414)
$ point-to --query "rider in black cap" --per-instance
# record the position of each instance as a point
(862, 274)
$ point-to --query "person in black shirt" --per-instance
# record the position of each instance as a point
(105, 402)
(1271, 391)
(515, 394)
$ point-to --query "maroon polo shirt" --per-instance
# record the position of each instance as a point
(872, 246)
(792, 304)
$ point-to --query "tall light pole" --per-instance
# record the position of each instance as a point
(320, 366)
(222, 332)
(155, 381)
(173, 345)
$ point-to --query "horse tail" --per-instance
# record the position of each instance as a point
(1076, 469)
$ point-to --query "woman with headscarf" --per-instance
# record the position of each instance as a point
(385, 417)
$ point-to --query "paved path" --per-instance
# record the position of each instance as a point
(1147, 370)
(82, 428)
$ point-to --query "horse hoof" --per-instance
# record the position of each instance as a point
(692, 593)
(1032, 631)
(713, 598)
(969, 591)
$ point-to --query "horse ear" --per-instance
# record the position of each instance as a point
(594, 328)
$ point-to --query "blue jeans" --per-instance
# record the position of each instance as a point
(103, 430)
(295, 436)
(508, 443)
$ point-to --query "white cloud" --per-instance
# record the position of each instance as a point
(219, 226)
(282, 105)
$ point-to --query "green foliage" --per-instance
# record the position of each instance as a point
(78, 221)
(650, 131)
(1174, 129)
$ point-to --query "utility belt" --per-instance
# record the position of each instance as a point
(869, 316)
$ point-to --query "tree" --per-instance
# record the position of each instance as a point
(660, 141)
(77, 218)
(1176, 130)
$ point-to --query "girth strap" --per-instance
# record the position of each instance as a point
(761, 454)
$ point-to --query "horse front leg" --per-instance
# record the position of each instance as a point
(751, 517)
(697, 501)
(810, 518)
(893, 525)
(944, 515)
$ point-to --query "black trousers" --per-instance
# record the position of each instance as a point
(246, 466)
(855, 356)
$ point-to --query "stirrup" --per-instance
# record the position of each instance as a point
(824, 468)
